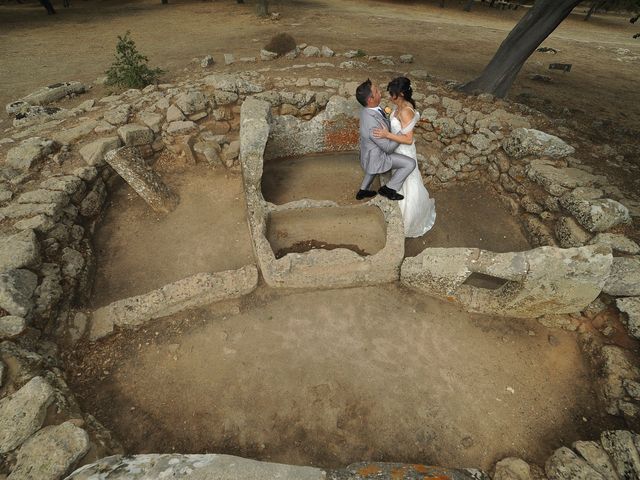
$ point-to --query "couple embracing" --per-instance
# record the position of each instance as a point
(387, 145)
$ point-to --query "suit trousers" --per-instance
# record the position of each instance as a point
(402, 166)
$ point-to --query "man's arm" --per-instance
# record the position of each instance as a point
(384, 144)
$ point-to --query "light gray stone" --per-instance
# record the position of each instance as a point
(40, 223)
(152, 120)
(620, 446)
(51, 93)
(631, 307)
(266, 55)
(452, 106)
(11, 326)
(527, 141)
(564, 464)
(479, 141)
(192, 467)
(16, 291)
(194, 291)
(624, 280)
(311, 51)
(447, 127)
(147, 183)
(49, 292)
(174, 114)
(93, 153)
(50, 453)
(512, 468)
(617, 242)
(133, 135)
(597, 458)
(545, 280)
(207, 61)
(210, 150)
(545, 173)
(225, 98)
(327, 52)
(69, 184)
(70, 135)
(44, 196)
(407, 58)
(192, 101)
(30, 151)
(228, 59)
(119, 115)
(22, 210)
(23, 413)
(181, 127)
(19, 250)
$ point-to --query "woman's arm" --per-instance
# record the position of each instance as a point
(406, 117)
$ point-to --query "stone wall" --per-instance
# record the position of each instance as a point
(54, 182)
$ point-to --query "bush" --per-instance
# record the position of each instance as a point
(130, 69)
(281, 44)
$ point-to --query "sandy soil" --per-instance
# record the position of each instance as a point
(332, 377)
(138, 250)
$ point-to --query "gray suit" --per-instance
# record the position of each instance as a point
(376, 154)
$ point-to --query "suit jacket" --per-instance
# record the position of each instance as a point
(374, 152)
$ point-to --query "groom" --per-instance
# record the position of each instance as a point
(377, 154)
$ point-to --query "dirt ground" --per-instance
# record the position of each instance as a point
(332, 377)
(138, 250)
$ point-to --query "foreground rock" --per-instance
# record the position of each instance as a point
(226, 467)
(16, 291)
(133, 169)
(23, 413)
(631, 307)
(30, 151)
(624, 280)
(195, 291)
(19, 250)
(545, 280)
(50, 453)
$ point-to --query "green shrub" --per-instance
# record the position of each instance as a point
(130, 69)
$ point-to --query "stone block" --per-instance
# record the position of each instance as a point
(624, 280)
(16, 291)
(11, 326)
(133, 135)
(194, 291)
(631, 307)
(19, 250)
(30, 151)
(530, 142)
(93, 153)
(23, 413)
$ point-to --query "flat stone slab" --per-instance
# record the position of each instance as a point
(30, 151)
(596, 215)
(544, 173)
(528, 141)
(50, 453)
(624, 280)
(19, 251)
(621, 447)
(595, 456)
(195, 291)
(23, 413)
(187, 467)
(564, 464)
(134, 135)
(49, 94)
(147, 183)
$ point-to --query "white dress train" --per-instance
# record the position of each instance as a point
(418, 209)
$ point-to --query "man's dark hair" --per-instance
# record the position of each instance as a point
(363, 92)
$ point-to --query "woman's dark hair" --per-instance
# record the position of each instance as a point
(401, 85)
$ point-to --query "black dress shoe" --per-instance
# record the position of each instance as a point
(390, 193)
(365, 194)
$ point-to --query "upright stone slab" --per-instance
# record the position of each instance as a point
(133, 169)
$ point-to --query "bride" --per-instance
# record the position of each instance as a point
(418, 210)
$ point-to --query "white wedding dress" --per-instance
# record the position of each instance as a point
(418, 209)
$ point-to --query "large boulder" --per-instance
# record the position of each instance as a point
(23, 413)
(545, 280)
(527, 141)
(50, 453)
(594, 214)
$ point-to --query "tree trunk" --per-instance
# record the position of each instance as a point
(491, 4)
(467, 7)
(594, 8)
(532, 29)
(263, 8)
(164, 2)
(441, 3)
(240, 1)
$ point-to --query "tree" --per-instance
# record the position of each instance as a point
(263, 8)
(467, 7)
(534, 27)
